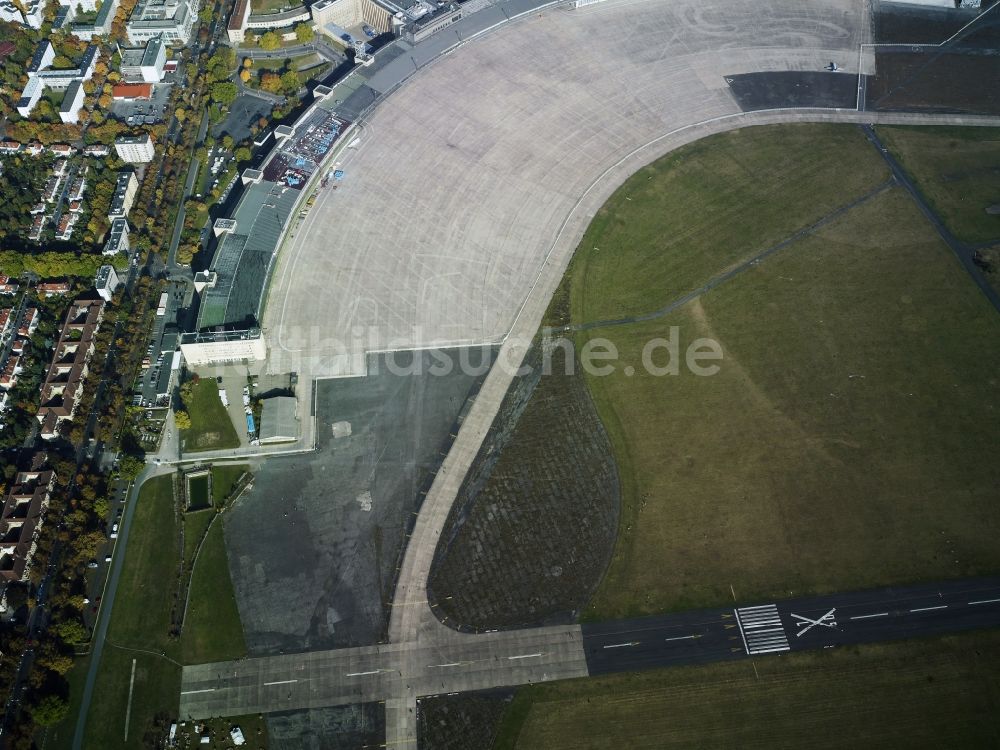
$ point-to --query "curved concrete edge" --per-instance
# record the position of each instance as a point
(412, 617)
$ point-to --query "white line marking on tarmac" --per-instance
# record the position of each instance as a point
(928, 609)
(193, 692)
(681, 638)
(986, 601)
(452, 664)
(622, 645)
(524, 656)
(865, 617)
(280, 682)
(360, 674)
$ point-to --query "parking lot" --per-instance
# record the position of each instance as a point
(148, 111)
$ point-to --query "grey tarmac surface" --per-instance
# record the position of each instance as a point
(313, 547)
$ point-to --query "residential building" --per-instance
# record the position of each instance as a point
(172, 20)
(65, 380)
(76, 189)
(117, 237)
(101, 25)
(61, 149)
(135, 149)
(29, 322)
(126, 187)
(11, 369)
(97, 150)
(9, 147)
(25, 12)
(236, 29)
(22, 517)
(7, 285)
(72, 103)
(40, 77)
(53, 289)
(6, 322)
(107, 282)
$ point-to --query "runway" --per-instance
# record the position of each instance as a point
(451, 662)
(760, 629)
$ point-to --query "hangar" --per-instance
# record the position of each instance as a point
(278, 421)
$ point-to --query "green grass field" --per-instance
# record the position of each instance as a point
(140, 630)
(212, 629)
(141, 620)
(918, 694)
(957, 170)
(845, 441)
(211, 428)
(689, 216)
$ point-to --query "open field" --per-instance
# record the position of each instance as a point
(728, 198)
(845, 441)
(918, 694)
(212, 629)
(957, 170)
(140, 630)
(211, 428)
(141, 621)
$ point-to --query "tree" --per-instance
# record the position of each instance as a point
(290, 82)
(224, 92)
(129, 467)
(71, 631)
(180, 113)
(269, 40)
(227, 142)
(242, 154)
(270, 82)
(245, 75)
(247, 62)
(50, 710)
(304, 32)
(183, 420)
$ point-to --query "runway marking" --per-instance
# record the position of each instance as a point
(280, 682)
(827, 621)
(361, 674)
(985, 601)
(622, 645)
(524, 656)
(761, 629)
(128, 710)
(452, 664)
(865, 617)
(193, 692)
(928, 609)
(682, 638)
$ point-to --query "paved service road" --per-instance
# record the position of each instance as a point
(455, 662)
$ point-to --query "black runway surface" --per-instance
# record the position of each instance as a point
(758, 629)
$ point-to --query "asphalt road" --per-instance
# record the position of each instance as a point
(885, 614)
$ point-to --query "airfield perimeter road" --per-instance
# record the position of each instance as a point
(473, 662)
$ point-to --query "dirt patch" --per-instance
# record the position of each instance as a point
(533, 528)
(468, 721)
